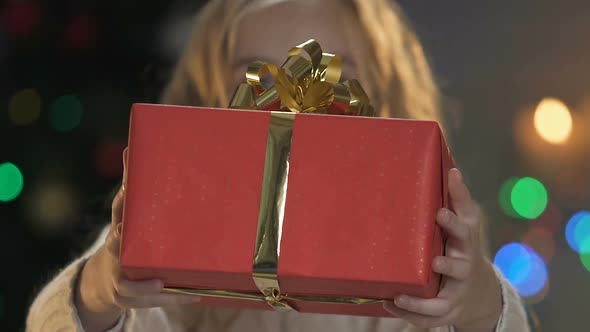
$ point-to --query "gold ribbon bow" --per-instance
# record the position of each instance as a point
(302, 85)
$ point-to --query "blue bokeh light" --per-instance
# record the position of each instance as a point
(577, 230)
(523, 267)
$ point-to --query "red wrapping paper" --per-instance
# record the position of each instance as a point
(360, 208)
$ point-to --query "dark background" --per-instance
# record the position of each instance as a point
(494, 60)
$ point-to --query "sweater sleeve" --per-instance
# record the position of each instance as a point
(53, 309)
(513, 317)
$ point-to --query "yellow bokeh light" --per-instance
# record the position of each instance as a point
(25, 107)
(50, 206)
(553, 120)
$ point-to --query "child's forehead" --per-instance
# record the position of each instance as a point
(271, 31)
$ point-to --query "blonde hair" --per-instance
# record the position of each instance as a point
(395, 74)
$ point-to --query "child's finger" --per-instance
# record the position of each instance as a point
(112, 242)
(125, 154)
(155, 301)
(412, 317)
(460, 196)
(429, 307)
(455, 268)
(117, 209)
(451, 223)
(117, 206)
(129, 288)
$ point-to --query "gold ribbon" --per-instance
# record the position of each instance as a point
(302, 85)
(272, 206)
(266, 255)
(276, 300)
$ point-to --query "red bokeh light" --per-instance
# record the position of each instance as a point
(21, 18)
(80, 33)
(541, 240)
(108, 158)
(551, 219)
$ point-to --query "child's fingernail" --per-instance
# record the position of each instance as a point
(158, 284)
(440, 264)
(446, 216)
(459, 174)
(401, 300)
(118, 230)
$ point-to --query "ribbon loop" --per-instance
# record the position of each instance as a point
(302, 85)
(331, 67)
(313, 50)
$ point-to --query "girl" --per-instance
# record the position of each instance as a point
(378, 48)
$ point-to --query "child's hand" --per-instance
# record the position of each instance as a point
(470, 298)
(103, 292)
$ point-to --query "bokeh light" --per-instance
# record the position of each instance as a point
(523, 267)
(551, 219)
(108, 158)
(553, 120)
(513, 260)
(582, 231)
(538, 297)
(11, 182)
(21, 18)
(576, 234)
(66, 113)
(504, 197)
(80, 33)
(51, 205)
(528, 197)
(585, 253)
(24, 107)
(540, 240)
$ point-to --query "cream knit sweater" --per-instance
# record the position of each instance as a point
(54, 310)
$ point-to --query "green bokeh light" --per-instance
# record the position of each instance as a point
(585, 253)
(504, 197)
(529, 198)
(11, 182)
(66, 113)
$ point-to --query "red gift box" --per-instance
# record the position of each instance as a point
(359, 211)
